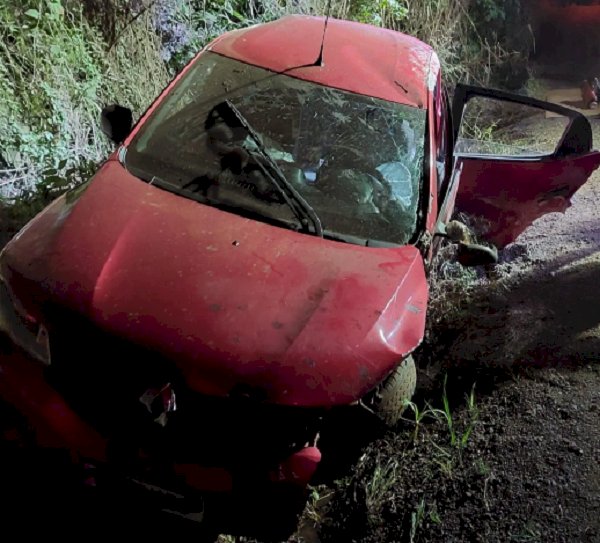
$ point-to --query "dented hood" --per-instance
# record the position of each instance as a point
(230, 300)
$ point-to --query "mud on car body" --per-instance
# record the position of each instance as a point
(253, 256)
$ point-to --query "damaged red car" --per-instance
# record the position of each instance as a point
(254, 255)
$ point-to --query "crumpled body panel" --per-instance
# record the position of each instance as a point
(357, 57)
(508, 195)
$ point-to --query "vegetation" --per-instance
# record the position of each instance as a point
(62, 60)
(394, 491)
(56, 72)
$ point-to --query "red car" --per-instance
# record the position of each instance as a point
(253, 257)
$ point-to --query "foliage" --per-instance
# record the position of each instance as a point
(62, 60)
(490, 10)
(185, 26)
(56, 73)
(506, 24)
(43, 123)
(454, 29)
(384, 13)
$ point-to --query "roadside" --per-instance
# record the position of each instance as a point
(520, 460)
(511, 451)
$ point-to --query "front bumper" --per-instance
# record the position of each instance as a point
(249, 499)
(266, 509)
(225, 462)
(228, 457)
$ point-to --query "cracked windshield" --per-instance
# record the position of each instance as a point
(286, 151)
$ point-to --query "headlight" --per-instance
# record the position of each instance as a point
(22, 329)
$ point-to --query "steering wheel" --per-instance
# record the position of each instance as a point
(349, 178)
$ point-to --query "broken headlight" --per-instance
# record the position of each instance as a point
(24, 330)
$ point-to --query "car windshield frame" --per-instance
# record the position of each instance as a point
(390, 177)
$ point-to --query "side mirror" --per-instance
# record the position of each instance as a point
(472, 254)
(116, 122)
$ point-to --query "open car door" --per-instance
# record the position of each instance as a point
(515, 159)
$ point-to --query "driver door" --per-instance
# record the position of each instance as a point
(515, 159)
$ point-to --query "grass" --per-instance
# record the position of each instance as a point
(416, 519)
(381, 484)
(457, 439)
(316, 505)
(56, 73)
(430, 446)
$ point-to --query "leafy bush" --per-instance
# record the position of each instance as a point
(56, 73)
(454, 29)
(386, 13)
(62, 60)
(50, 76)
(185, 26)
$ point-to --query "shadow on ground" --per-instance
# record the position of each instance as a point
(547, 317)
(520, 465)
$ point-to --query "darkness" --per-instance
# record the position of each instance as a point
(567, 38)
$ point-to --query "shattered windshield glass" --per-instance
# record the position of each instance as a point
(354, 161)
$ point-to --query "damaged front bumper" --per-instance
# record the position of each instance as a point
(198, 458)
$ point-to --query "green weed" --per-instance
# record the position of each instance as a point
(416, 520)
(482, 467)
(529, 534)
(419, 415)
(380, 486)
(434, 516)
(56, 74)
(318, 498)
(458, 438)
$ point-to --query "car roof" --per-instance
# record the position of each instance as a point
(356, 57)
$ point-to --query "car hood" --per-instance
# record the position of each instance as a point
(232, 301)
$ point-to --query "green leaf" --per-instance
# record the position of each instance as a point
(54, 181)
(56, 8)
(56, 11)
(33, 13)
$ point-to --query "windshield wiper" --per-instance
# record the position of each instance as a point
(301, 208)
(357, 240)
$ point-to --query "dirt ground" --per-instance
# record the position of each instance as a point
(525, 462)
(514, 454)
